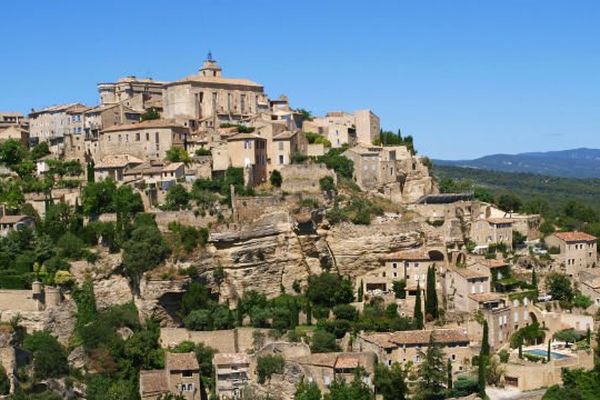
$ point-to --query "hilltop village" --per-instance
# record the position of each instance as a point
(198, 239)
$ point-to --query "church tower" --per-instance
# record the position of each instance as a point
(210, 67)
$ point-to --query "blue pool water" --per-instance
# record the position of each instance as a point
(544, 353)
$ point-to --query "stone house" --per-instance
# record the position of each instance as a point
(8, 119)
(392, 171)
(527, 225)
(589, 284)
(249, 151)
(114, 166)
(146, 140)
(284, 146)
(15, 222)
(462, 282)
(231, 373)
(153, 179)
(107, 116)
(209, 99)
(55, 122)
(485, 232)
(16, 133)
(341, 128)
(578, 250)
(131, 92)
(407, 346)
(324, 368)
(368, 126)
(181, 376)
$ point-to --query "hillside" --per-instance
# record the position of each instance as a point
(574, 163)
(555, 190)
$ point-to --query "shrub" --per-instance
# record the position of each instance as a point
(276, 179)
(326, 184)
(267, 366)
(49, 358)
(323, 342)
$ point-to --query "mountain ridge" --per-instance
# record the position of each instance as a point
(581, 162)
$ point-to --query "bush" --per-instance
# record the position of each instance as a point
(399, 288)
(202, 152)
(267, 366)
(345, 311)
(327, 184)
(323, 342)
(276, 179)
(49, 357)
(329, 289)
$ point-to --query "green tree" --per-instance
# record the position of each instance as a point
(323, 342)
(177, 198)
(12, 152)
(150, 114)
(356, 390)
(276, 179)
(360, 293)
(399, 288)
(49, 357)
(391, 382)
(418, 312)
(449, 369)
(484, 354)
(509, 202)
(90, 172)
(177, 154)
(328, 289)
(268, 365)
(431, 301)
(432, 372)
(145, 249)
(4, 381)
(326, 184)
(559, 287)
(534, 281)
(307, 391)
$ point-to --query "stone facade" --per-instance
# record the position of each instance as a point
(578, 250)
(492, 231)
(57, 121)
(132, 92)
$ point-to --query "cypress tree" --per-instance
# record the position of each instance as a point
(534, 281)
(484, 354)
(418, 313)
(308, 314)
(360, 292)
(431, 302)
(549, 349)
(90, 171)
(449, 367)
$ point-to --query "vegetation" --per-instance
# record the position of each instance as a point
(267, 366)
(178, 154)
(391, 382)
(388, 138)
(432, 372)
(276, 179)
(315, 138)
(431, 301)
(418, 312)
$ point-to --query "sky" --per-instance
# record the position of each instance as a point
(465, 78)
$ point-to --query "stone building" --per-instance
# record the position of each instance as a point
(589, 284)
(181, 376)
(15, 222)
(8, 119)
(248, 151)
(485, 232)
(410, 266)
(53, 123)
(460, 283)
(342, 128)
(231, 373)
(284, 146)
(146, 140)
(368, 126)
(114, 166)
(131, 92)
(107, 116)
(392, 171)
(578, 250)
(209, 99)
(324, 368)
(408, 346)
(15, 132)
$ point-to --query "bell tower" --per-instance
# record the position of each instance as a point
(210, 67)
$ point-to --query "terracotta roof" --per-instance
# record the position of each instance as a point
(346, 361)
(13, 219)
(57, 108)
(485, 297)
(491, 264)
(244, 136)
(287, 135)
(469, 273)
(497, 221)
(216, 80)
(172, 166)
(409, 255)
(230, 358)
(417, 337)
(153, 382)
(150, 124)
(181, 361)
(118, 160)
(575, 236)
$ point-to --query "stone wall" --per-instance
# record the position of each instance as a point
(248, 208)
(299, 178)
(224, 341)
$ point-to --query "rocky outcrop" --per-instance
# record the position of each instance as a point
(160, 299)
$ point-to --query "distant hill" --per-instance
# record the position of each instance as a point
(575, 163)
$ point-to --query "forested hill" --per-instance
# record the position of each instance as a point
(574, 163)
(556, 191)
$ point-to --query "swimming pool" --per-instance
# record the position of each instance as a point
(544, 353)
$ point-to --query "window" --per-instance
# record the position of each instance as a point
(453, 357)
(280, 145)
(281, 159)
(187, 374)
(120, 138)
(394, 265)
(156, 139)
(137, 137)
(395, 274)
(147, 137)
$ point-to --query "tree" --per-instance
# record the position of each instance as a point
(345, 312)
(276, 179)
(534, 281)
(49, 358)
(418, 312)
(177, 154)
(307, 391)
(356, 390)
(150, 114)
(509, 202)
(12, 152)
(268, 365)
(360, 293)
(391, 382)
(433, 372)
(323, 342)
(559, 287)
(4, 381)
(328, 289)
(90, 172)
(431, 301)
(484, 354)
(177, 198)
(145, 249)
(326, 184)
(449, 368)
(567, 336)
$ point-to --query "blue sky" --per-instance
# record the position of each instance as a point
(465, 78)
